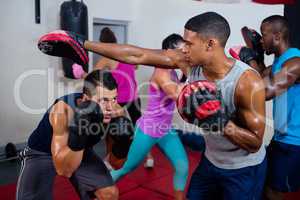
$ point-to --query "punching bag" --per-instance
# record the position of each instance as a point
(292, 14)
(73, 17)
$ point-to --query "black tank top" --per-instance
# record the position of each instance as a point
(40, 139)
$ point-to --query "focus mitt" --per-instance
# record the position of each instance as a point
(200, 103)
(64, 44)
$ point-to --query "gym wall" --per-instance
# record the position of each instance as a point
(150, 22)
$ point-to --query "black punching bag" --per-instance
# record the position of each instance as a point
(292, 14)
(73, 17)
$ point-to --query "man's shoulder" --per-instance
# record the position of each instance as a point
(249, 84)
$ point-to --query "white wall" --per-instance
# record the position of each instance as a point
(19, 54)
(150, 22)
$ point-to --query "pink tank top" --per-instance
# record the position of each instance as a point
(127, 86)
(156, 120)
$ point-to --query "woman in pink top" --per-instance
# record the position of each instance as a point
(154, 127)
(125, 77)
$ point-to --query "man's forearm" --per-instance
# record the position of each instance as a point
(270, 89)
(243, 138)
(131, 54)
(67, 161)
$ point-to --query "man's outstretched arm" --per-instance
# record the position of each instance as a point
(136, 55)
(71, 45)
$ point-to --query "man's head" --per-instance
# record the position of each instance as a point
(101, 87)
(173, 41)
(107, 36)
(275, 32)
(205, 34)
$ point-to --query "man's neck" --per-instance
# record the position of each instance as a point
(282, 48)
(218, 67)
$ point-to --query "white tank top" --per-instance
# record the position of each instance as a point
(220, 151)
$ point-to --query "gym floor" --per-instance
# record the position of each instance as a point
(149, 184)
(146, 184)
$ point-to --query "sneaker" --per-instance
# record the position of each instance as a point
(149, 163)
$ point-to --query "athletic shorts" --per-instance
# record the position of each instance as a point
(37, 175)
(209, 182)
(283, 167)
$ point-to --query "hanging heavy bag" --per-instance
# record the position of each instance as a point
(74, 18)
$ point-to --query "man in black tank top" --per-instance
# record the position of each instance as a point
(62, 145)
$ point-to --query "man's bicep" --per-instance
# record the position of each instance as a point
(251, 103)
(59, 142)
(59, 122)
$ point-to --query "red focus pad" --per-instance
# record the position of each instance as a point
(208, 108)
(64, 44)
(205, 103)
(201, 104)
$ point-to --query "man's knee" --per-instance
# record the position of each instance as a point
(108, 193)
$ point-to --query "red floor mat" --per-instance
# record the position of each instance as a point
(144, 194)
(155, 184)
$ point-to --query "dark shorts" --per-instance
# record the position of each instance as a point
(192, 140)
(283, 167)
(37, 176)
(211, 183)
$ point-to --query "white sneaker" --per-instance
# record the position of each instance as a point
(149, 163)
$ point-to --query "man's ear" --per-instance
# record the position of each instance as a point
(211, 43)
(277, 37)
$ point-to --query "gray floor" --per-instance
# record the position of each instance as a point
(9, 170)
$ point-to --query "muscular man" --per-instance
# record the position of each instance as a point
(282, 80)
(234, 162)
(62, 143)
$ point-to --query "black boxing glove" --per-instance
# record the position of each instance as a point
(253, 40)
(245, 54)
(85, 129)
(201, 103)
(121, 131)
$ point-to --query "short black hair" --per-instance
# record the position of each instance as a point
(210, 24)
(107, 36)
(171, 41)
(279, 24)
(103, 78)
